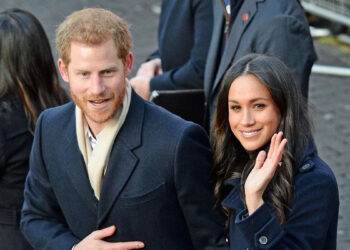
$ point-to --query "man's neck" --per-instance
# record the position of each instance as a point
(95, 128)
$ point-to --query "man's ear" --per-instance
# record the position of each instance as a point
(63, 70)
(128, 64)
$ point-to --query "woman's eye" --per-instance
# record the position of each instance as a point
(235, 107)
(259, 106)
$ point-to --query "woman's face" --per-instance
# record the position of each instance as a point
(253, 115)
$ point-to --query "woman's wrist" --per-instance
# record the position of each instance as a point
(253, 203)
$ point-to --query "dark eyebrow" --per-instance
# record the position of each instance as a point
(252, 100)
(259, 98)
(232, 101)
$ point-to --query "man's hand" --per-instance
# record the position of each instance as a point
(94, 241)
(141, 86)
(150, 68)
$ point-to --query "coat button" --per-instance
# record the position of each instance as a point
(263, 240)
(306, 166)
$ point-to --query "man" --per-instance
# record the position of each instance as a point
(275, 27)
(111, 171)
(184, 36)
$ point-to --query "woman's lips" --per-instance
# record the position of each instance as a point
(250, 134)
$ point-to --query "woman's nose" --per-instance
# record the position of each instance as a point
(247, 118)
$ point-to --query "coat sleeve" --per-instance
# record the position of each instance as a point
(311, 223)
(2, 152)
(195, 195)
(289, 39)
(190, 75)
(153, 55)
(42, 221)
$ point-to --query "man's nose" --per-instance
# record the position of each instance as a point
(97, 86)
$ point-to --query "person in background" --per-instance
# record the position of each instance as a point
(274, 27)
(184, 33)
(111, 170)
(277, 193)
(28, 85)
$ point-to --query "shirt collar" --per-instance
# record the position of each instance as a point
(92, 139)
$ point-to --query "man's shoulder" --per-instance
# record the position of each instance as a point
(272, 8)
(161, 125)
(59, 114)
(162, 118)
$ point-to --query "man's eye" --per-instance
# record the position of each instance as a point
(84, 74)
(107, 72)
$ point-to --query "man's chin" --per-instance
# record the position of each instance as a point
(100, 118)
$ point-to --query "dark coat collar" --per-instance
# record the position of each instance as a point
(121, 163)
(233, 199)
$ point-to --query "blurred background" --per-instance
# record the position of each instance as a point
(329, 93)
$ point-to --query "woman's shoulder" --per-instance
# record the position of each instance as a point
(314, 166)
(9, 103)
(315, 175)
(12, 115)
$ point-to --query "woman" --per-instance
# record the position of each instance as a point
(277, 193)
(28, 85)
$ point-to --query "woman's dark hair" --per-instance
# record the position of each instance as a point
(27, 68)
(231, 160)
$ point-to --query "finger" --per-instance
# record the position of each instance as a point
(279, 152)
(146, 69)
(141, 70)
(278, 142)
(272, 146)
(103, 233)
(260, 159)
(128, 245)
(281, 148)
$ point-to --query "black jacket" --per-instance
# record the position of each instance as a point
(15, 145)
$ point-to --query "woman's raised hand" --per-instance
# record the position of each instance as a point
(262, 173)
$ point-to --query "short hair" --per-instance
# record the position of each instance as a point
(92, 26)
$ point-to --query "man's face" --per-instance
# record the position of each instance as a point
(96, 77)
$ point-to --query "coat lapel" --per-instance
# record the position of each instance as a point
(122, 159)
(243, 20)
(233, 198)
(75, 166)
(214, 49)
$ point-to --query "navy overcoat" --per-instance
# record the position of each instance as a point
(312, 219)
(156, 187)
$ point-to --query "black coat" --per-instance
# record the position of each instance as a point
(15, 145)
